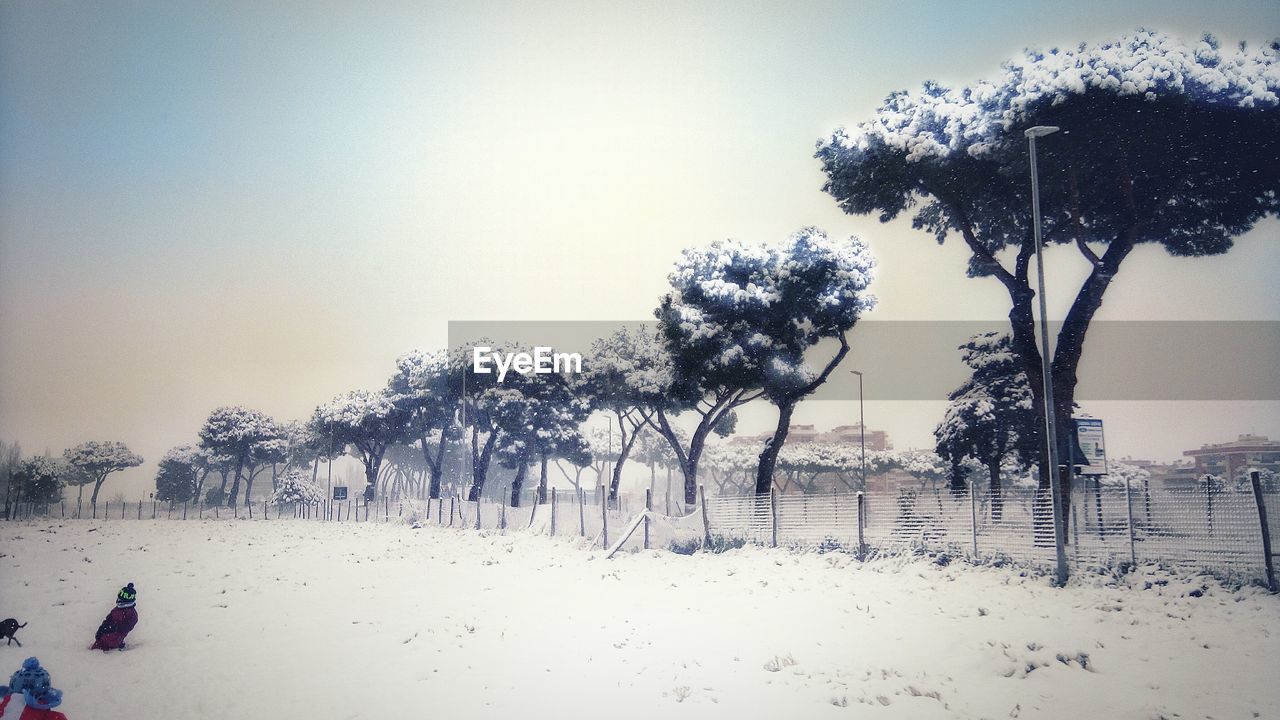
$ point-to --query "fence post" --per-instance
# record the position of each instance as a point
(153, 509)
(604, 519)
(648, 505)
(773, 513)
(478, 501)
(63, 507)
(1255, 481)
(502, 508)
(1128, 511)
(1075, 524)
(861, 522)
(451, 502)
(582, 515)
(973, 516)
(139, 509)
(706, 526)
(439, 511)
(553, 512)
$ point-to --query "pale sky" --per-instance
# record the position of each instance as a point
(266, 203)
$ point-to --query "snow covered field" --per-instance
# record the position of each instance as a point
(293, 619)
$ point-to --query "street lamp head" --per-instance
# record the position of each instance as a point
(856, 372)
(1040, 131)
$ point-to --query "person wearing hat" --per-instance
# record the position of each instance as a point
(29, 677)
(113, 630)
(35, 697)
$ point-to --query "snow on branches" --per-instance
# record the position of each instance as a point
(99, 459)
(939, 121)
(295, 488)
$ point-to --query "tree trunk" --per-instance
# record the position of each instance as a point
(97, 485)
(371, 467)
(542, 483)
(997, 498)
(517, 484)
(772, 446)
(480, 459)
(436, 465)
(199, 486)
(623, 453)
(235, 485)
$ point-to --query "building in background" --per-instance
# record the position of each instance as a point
(1227, 459)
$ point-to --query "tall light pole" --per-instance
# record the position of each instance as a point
(328, 468)
(1050, 424)
(862, 428)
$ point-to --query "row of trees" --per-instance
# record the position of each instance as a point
(736, 326)
(41, 478)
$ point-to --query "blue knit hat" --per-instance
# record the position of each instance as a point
(30, 676)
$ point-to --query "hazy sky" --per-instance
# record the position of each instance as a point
(265, 203)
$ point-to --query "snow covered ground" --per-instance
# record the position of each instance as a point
(295, 619)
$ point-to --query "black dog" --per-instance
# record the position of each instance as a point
(8, 628)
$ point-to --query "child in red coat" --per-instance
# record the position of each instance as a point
(113, 630)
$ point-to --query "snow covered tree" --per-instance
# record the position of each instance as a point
(924, 465)
(295, 488)
(538, 419)
(366, 421)
(626, 376)
(988, 416)
(10, 456)
(230, 436)
(266, 453)
(477, 406)
(428, 389)
(804, 463)
(731, 467)
(740, 319)
(179, 474)
(1164, 142)
(1267, 477)
(99, 459)
(38, 480)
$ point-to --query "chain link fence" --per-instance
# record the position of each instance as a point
(1212, 527)
(1207, 529)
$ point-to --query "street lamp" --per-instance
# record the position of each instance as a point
(1050, 425)
(862, 428)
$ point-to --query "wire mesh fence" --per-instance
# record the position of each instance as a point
(1211, 527)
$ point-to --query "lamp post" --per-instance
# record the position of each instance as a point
(327, 506)
(1050, 424)
(862, 428)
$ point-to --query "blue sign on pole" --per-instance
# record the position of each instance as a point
(340, 492)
